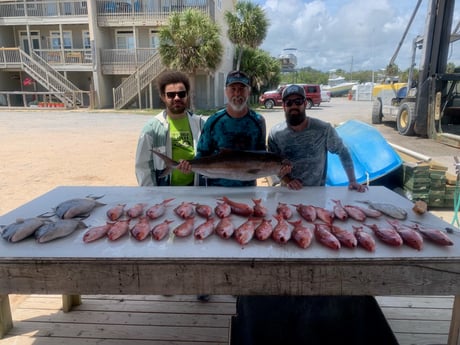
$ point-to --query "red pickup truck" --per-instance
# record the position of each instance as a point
(271, 98)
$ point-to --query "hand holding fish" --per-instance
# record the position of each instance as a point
(184, 166)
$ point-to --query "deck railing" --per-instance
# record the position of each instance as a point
(116, 13)
(124, 61)
(66, 56)
(54, 8)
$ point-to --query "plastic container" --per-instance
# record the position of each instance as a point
(372, 156)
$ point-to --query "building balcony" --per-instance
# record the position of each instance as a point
(147, 13)
(43, 12)
(124, 61)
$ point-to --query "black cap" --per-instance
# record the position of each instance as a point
(293, 90)
(237, 77)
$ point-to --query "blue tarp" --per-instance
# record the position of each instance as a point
(372, 156)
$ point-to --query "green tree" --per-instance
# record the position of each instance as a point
(190, 42)
(264, 69)
(247, 27)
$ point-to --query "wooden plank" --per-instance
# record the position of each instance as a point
(69, 301)
(454, 332)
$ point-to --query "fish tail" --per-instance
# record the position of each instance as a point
(170, 164)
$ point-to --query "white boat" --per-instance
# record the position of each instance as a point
(338, 86)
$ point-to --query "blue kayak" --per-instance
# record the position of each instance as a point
(372, 156)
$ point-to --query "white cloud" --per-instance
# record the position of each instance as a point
(345, 34)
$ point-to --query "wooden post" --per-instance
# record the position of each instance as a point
(68, 301)
(6, 321)
(455, 323)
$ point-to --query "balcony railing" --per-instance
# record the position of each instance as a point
(43, 9)
(124, 61)
(125, 13)
(66, 56)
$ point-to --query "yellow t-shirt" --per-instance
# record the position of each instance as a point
(182, 148)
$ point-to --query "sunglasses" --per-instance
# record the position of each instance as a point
(172, 95)
(297, 101)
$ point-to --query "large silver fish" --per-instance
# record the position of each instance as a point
(232, 164)
(387, 209)
(59, 228)
(79, 207)
(21, 229)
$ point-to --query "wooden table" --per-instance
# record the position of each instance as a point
(216, 266)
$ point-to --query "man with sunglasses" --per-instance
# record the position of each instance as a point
(305, 142)
(174, 132)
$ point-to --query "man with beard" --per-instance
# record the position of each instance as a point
(174, 132)
(236, 127)
(305, 142)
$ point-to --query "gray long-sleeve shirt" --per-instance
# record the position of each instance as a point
(307, 150)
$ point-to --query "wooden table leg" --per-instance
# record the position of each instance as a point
(68, 301)
(6, 321)
(455, 323)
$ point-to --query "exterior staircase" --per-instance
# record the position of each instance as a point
(136, 82)
(44, 74)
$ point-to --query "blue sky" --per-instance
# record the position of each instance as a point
(346, 34)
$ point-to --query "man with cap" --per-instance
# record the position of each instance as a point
(236, 127)
(305, 142)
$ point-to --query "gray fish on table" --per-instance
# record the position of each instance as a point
(78, 207)
(387, 209)
(60, 228)
(21, 229)
(232, 164)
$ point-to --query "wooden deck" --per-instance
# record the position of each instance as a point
(182, 320)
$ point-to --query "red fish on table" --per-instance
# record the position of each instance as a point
(259, 210)
(345, 237)
(96, 232)
(281, 232)
(434, 235)
(119, 229)
(307, 212)
(301, 234)
(339, 211)
(205, 229)
(355, 213)
(186, 228)
(225, 228)
(284, 210)
(264, 230)
(245, 232)
(222, 209)
(160, 230)
(409, 235)
(141, 229)
(364, 239)
(115, 212)
(324, 236)
(157, 210)
(136, 210)
(239, 208)
(387, 235)
(324, 214)
(202, 210)
(184, 210)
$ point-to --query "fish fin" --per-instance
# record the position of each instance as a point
(170, 164)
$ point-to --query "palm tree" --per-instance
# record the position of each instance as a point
(247, 27)
(265, 69)
(190, 42)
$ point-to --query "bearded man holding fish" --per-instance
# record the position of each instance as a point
(305, 142)
(174, 133)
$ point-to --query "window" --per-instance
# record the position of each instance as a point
(154, 39)
(56, 40)
(86, 39)
(125, 39)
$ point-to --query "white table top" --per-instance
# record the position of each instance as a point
(214, 247)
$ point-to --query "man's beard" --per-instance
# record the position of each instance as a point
(296, 119)
(235, 105)
(177, 108)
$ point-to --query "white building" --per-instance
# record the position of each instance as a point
(61, 50)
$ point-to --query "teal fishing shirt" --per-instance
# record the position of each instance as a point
(221, 131)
